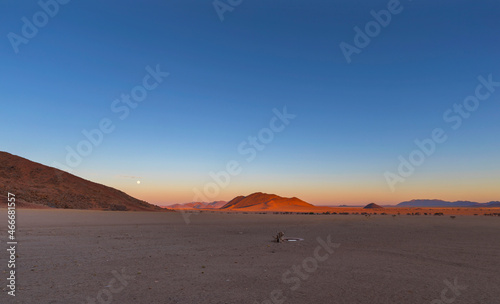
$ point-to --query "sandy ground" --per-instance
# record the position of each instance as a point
(67, 256)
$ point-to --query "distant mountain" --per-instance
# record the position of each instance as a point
(39, 186)
(492, 204)
(441, 203)
(372, 206)
(199, 205)
(436, 203)
(262, 201)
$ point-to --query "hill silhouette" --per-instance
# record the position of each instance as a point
(372, 206)
(39, 186)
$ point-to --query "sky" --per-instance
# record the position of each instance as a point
(208, 100)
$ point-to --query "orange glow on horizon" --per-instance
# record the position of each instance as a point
(322, 192)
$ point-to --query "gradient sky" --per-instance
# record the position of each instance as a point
(353, 120)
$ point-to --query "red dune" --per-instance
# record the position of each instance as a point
(267, 202)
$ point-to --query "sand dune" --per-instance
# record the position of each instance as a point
(266, 202)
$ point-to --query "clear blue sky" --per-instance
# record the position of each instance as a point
(353, 119)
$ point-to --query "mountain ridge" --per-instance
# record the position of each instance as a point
(443, 203)
(40, 186)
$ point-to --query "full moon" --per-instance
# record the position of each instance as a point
(138, 182)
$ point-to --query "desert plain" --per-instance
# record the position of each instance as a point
(82, 256)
